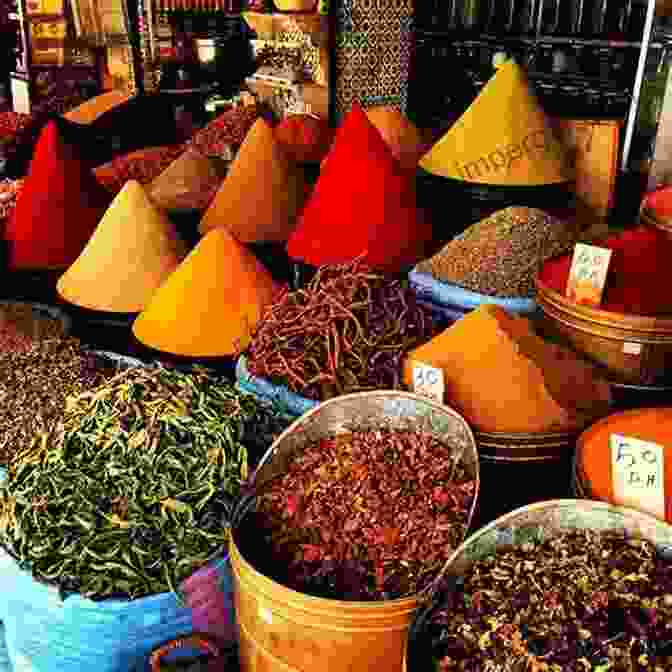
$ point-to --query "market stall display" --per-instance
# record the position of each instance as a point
(262, 193)
(188, 183)
(210, 305)
(335, 632)
(347, 331)
(540, 387)
(595, 474)
(58, 207)
(552, 586)
(130, 254)
(630, 334)
(363, 205)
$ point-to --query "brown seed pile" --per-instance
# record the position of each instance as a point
(502, 254)
(34, 387)
(21, 326)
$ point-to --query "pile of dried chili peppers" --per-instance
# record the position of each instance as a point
(367, 515)
(347, 331)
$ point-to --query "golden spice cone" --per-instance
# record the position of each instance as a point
(209, 306)
(131, 252)
(91, 109)
(503, 138)
(263, 193)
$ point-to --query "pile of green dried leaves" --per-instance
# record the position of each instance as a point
(128, 494)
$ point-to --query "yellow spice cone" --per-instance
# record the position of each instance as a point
(210, 304)
(191, 173)
(131, 252)
(401, 135)
(503, 138)
(260, 199)
(90, 110)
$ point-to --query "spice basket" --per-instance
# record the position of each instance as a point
(537, 522)
(634, 349)
(538, 464)
(280, 628)
(463, 300)
(293, 403)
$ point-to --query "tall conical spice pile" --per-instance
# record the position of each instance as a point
(130, 254)
(363, 205)
(58, 209)
(210, 305)
(263, 193)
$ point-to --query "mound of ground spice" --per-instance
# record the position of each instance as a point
(502, 254)
(21, 325)
(638, 272)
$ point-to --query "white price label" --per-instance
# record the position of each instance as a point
(638, 474)
(632, 348)
(428, 381)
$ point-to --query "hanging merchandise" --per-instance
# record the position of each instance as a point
(503, 138)
(189, 183)
(211, 304)
(401, 135)
(131, 252)
(91, 109)
(262, 194)
(626, 459)
(363, 205)
(540, 387)
(58, 208)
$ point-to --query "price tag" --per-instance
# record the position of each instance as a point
(588, 274)
(428, 381)
(638, 474)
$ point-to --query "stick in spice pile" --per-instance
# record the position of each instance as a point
(579, 602)
(130, 493)
(368, 515)
(347, 331)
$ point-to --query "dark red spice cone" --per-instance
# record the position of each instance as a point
(58, 209)
(363, 205)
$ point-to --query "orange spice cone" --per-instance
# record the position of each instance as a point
(209, 306)
(132, 251)
(58, 208)
(363, 205)
(262, 195)
(91, 109)
(187, 181)
(401, 135)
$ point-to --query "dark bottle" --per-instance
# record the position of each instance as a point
(499, 16)
(570, 17)
(527, 13)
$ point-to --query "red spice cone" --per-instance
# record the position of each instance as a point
(363, 204)
(58, 209)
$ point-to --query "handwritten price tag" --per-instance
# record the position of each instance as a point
(638, 474)
(588, 274)
(428, 381)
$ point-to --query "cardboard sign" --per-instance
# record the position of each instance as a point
(428, 381)
(638, 474)
(588, 274)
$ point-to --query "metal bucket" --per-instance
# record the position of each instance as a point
(281, 629)
(537, 522)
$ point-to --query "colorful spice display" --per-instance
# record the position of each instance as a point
(363, 205)
(21, 325)
(262, 194)
(58, 208)
(305, 138)
(502, 254)
(130, 254)
(503, 138)
(189, 183)
(347, 331)
(226, 130)
(367, 515)
(9, 192)
(34, 387)
(580, 601)
(638, 269)
(594, 451)
(129, 493)
(503, 378)
(142, 165)
(211, 303)
(401, 135)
